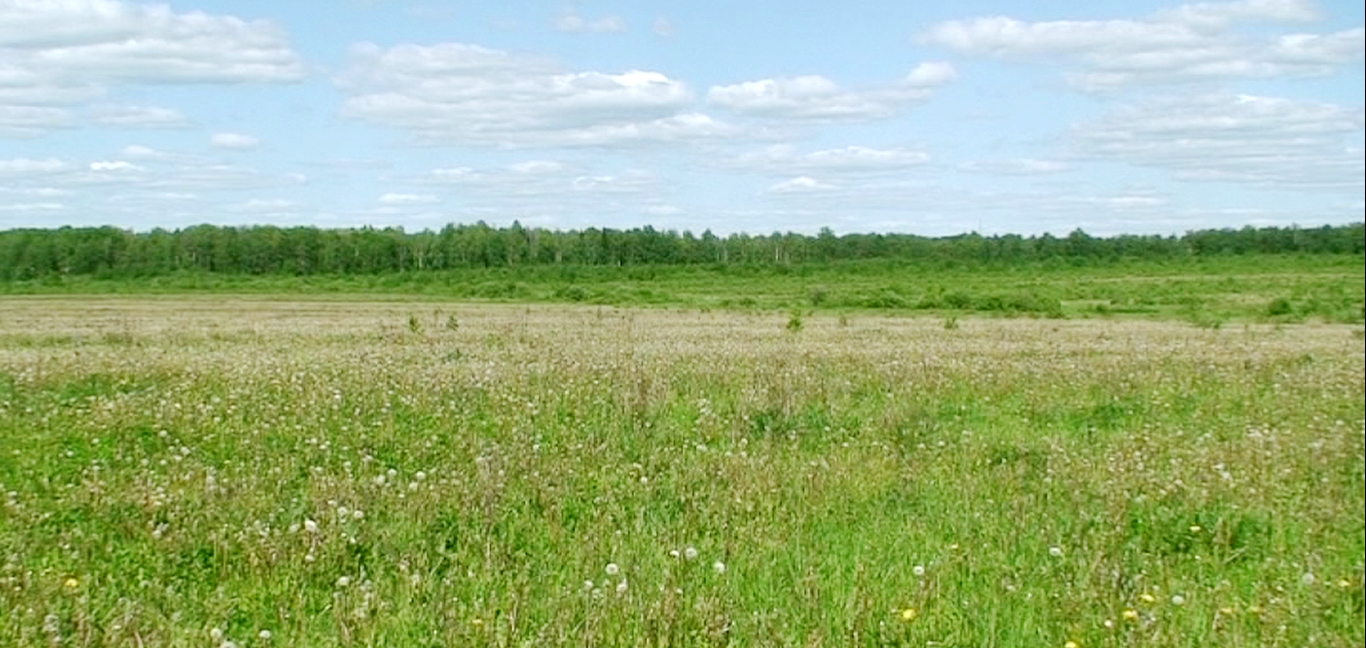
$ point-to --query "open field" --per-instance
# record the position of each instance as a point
(1209, 291)
(194, 471)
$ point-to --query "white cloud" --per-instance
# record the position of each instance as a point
(1193, 42)
(1015, 166)
(817, 98)
(139, 152)
(137, 117)
(115, 165)
(785, 160)
(663, 27)
(572, 22)
(1236, 138)
(407, 199)
(537, 167)
(29, 121)
(800, 184)
(467, 94)
(236, 141)
(31, 166)
(56, 53)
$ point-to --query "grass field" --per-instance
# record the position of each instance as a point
(1209, 291)
(207, 471)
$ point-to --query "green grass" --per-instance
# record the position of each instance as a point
(1207, 291)
(180, 472)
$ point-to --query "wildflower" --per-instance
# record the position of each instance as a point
(1307, 579)
(1055, 552)
(216, 634)
(918, 570)
(1071, 644)
(718, 567)
(1255, 609)
(621, 587)
(343, 581)
(1195, 528)
(1177, 599)
(310, 526)
(476, 621)
(612, 569)
(587, 585)
(1131, 615)
(1227, 611)
(264, 635)
(909, 614)
(1342, 582)
(358, 514)
(71, 583)
(1147, 598)
(690, 553)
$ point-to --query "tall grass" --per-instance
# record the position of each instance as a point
(199, 472)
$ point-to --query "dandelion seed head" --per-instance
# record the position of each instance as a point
(612, 569)
(918, 570)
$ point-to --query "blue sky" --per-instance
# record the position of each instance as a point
(927, 118)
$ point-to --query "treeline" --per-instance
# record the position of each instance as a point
(27, 254)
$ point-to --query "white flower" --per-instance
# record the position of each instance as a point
(342, 511)
(1055, 552)
(343, 581)
(612, 569)
(587, 585)
(358, 514)
(690, 553)
(264, 635)
(420, 476)
(1177, 599)
(918, 570)
(718, 567)
(621, 587)
(1307, 579)
(216, 634)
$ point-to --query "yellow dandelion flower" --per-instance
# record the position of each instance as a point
(1147, 598)
(72, 583)
(1227, 611)
(476, 621)
(1071, 644)
(1131, 615)
(909, 614)
(1342, 582)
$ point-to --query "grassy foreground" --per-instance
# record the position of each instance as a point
(192, 472)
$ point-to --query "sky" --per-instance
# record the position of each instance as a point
(1029, 116)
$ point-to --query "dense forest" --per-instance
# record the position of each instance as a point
(109, 252)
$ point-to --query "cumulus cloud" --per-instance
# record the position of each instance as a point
(467, 94)
(799, 184)
(1190, 43)
(1015, 166)
(572, 22)
(31, 166)
(1265, 141)
(817, 98)
(56, 53)
(137, 116)
(115, 165)
(236, 141)
(784, 159)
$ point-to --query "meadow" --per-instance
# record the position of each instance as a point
(242, 471)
